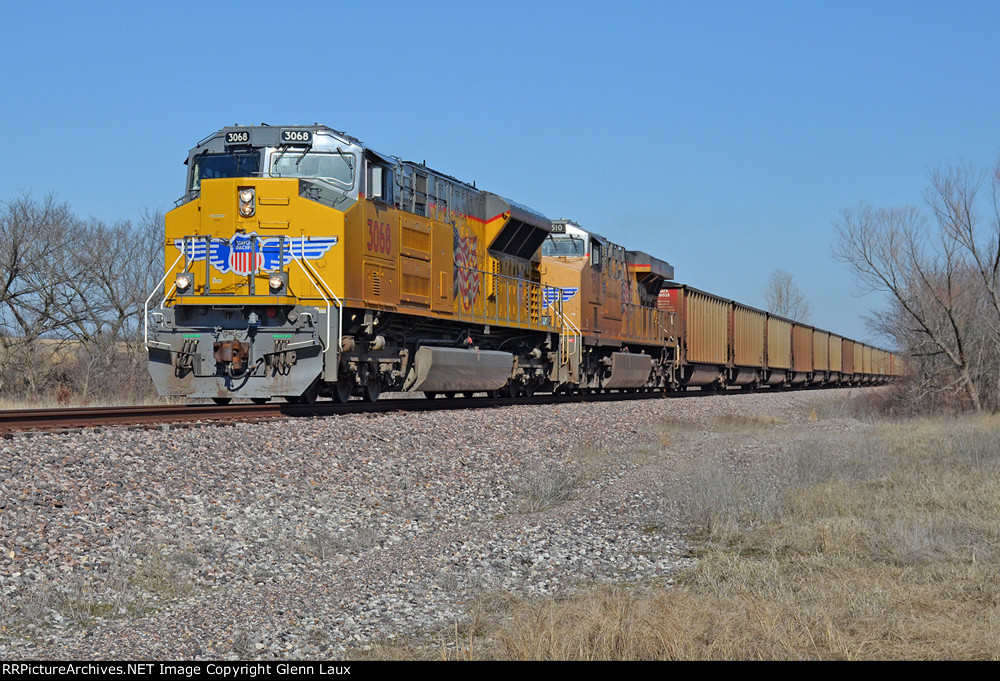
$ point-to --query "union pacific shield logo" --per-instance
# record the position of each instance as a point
(243, 257)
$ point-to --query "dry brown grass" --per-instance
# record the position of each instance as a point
(882, 545)
(548, 484)
(131, 581)
(53, 402)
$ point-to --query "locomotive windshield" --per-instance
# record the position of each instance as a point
(334, 165)
(564, 246)
(212, 166)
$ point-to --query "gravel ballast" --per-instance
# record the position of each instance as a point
(316, 538)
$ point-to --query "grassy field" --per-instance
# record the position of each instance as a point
(876, 543)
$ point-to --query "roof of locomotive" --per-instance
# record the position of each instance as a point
(656, 266)
(270, 135)
(265, 135)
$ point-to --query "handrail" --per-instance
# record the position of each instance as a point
(145, 307)
(632, 324)
(317, 280)
(314, 277)
(574, 331)
(510, 281)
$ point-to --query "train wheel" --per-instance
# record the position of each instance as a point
(222, 400)
(523, 390)
(260, 400)
(371, 391)
(311, 394)
(342, 391)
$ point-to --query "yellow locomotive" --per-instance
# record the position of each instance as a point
(609, 298)
(301, 263)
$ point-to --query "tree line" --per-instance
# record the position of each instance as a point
(71, 302)
(939, 267)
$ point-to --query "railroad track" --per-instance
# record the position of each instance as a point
(66, 418)
(21, 420)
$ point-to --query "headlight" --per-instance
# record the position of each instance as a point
(276, 282)
(247, 203)
(183, 281)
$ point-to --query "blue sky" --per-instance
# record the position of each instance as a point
(724, 137)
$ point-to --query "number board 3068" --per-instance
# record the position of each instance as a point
(238, 137)
(303, 137)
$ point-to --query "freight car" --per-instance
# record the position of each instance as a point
(724, 343)
(302, 263)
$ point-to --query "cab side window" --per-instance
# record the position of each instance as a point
(380, 183)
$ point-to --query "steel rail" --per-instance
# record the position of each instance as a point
(66, 418)
(21, 420)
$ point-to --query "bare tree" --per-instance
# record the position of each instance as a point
(783, 297)
(123, 263)
(71, 296)
(36, 267)
(941, 270)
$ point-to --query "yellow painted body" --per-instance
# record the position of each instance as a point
(280, 212)
(385, 258)
(606, 305)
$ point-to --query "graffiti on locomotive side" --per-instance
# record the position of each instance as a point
(627, 308)
(466, 280)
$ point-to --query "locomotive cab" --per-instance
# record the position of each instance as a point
(252, 295)
(318, 154)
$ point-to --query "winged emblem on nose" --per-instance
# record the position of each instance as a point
(242, 254)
